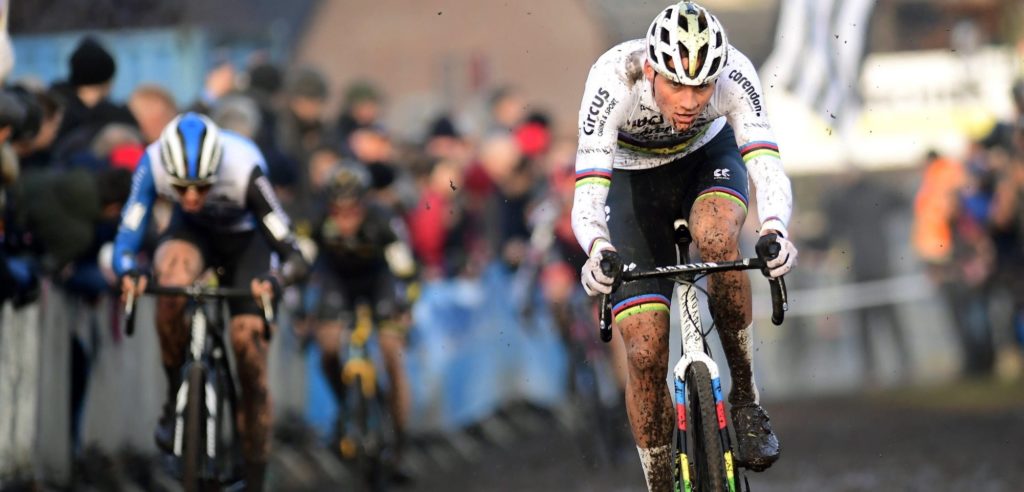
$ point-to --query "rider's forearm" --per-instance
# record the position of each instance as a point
(272, 219)
(134, 218)
(588, 216)
(774, 192)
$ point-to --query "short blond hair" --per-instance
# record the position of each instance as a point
(155, 92)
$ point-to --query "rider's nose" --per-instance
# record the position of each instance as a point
(687, 102)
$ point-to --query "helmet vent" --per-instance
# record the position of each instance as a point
(665, 59)
(714, 65)
(702, 56)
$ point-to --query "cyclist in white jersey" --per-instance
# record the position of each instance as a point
(670, 126)
(217, 182)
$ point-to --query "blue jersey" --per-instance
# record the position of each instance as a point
(241, 199)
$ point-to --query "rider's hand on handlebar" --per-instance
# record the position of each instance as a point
(132, 284)
(779, 253)
(261, 287)
(595, 280)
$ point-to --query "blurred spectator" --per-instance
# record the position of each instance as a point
(956, 254)
(361, 108)
(264, 87)
(219, 82)
(534, 135)
(434, 223)
(17, 280)
(445, 142)
(301, 126)
(934, 207)
(37, 152)
(35, 136)
(504, 214)
(857, 212)
(115, 136)
(1002, 135)
(322, 162)
(153, 107)
(85, 94)
(65, 218)
(508, 110)
(6, 50)
(239, 113)
(1007, 217)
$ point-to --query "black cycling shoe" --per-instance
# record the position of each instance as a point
(164, 435)
(400, 474)
(757, 447)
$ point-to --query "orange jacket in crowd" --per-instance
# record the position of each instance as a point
(934, 207)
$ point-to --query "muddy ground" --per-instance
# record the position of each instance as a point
(964, 437)
(955, 437)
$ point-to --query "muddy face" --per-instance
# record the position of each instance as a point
(680, 104)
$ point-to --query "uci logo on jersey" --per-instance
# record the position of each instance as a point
(722, 173)
(600, 99)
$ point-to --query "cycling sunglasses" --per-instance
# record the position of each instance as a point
(182, 186)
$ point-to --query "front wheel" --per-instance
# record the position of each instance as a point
(708, 458)
(193, 455)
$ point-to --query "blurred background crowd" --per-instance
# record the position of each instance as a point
(904, 137)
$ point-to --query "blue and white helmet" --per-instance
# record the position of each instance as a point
(191, 149)
(687, 30)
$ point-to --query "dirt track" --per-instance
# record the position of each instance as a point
(965, 437)
(956, 438)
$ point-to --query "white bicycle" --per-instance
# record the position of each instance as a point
(704, 460)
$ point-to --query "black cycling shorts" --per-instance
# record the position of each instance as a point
(644, 204)
(236, 257)
(336, 296)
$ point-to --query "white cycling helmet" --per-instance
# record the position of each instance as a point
(191, 149)
(687, 30)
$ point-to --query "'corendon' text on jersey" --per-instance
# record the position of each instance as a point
(755, 98)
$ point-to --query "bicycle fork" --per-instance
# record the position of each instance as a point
(693, 352)
(197, 346)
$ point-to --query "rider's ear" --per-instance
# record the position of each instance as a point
(648, 71)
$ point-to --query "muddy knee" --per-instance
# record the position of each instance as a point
(646, 339)
(716, 224)
(177, 263)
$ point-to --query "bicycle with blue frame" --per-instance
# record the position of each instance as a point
(206, 447)
(703, 446)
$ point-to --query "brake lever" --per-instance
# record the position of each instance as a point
(606, 318)
(129, 314)
(268, 314)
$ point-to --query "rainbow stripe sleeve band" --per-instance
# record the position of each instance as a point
(758, 149)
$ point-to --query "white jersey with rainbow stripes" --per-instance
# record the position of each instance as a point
(620, 127)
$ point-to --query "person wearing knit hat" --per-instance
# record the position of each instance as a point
(91, 69)
(91, 64)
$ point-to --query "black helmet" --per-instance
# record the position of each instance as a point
(349, 181)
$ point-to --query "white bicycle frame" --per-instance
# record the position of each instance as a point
(691, 329)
